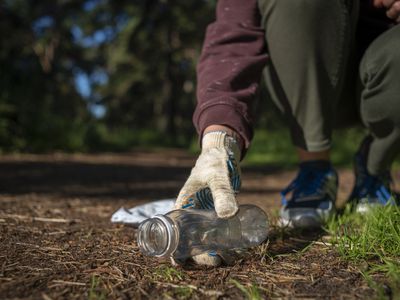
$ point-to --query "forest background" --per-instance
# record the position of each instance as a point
(102, 75)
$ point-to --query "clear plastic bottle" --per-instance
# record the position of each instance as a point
(184, 233)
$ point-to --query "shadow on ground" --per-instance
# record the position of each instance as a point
(149, 175)
(286, 241)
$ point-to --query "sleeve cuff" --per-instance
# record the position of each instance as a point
(224, 114)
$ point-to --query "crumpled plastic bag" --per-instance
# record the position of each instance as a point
(134, 216)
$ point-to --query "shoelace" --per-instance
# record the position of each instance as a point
(308, 182)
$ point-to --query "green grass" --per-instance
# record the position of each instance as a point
(275, 147)
(251, 292)
(168, 273)
(95, 292)
(371, 241)
(271, 147)
(183, 292)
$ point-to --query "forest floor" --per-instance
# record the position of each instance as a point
(57, 241)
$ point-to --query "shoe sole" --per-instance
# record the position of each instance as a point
(304, 218)
(364, 208)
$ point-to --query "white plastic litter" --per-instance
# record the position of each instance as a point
(134, 216)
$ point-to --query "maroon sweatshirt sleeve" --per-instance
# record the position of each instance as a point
(230, 67)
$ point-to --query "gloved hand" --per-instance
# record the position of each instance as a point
(213, 184)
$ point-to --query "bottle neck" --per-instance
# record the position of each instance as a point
(157, 236)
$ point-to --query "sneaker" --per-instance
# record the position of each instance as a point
(369, 190)
(313, 197)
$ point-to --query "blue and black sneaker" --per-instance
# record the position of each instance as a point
(369, 190)
(313, 197)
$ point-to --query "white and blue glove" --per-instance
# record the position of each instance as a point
(213, 183)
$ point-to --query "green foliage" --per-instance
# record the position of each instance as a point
(275, 147)
(372, 239)
(98, 137)
(345, 143)
(139, 60)
(151, 65)
(40, 109)
(271, 147)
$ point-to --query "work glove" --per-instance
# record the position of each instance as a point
(213, 184)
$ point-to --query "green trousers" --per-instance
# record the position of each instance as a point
(332, 64)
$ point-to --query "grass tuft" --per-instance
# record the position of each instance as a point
(262, 251)
(95, 292)
(183, 292)
(371, 239)
(168, 273)
(251, 292)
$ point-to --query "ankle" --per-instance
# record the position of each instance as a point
(305, 155)
(321, 165)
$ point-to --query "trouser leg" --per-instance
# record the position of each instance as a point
(380, 98)
(309, 45)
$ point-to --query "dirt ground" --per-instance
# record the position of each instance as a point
(57, 241)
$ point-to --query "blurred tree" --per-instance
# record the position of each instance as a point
(74, 72)
(151, 64)
(40, 108)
